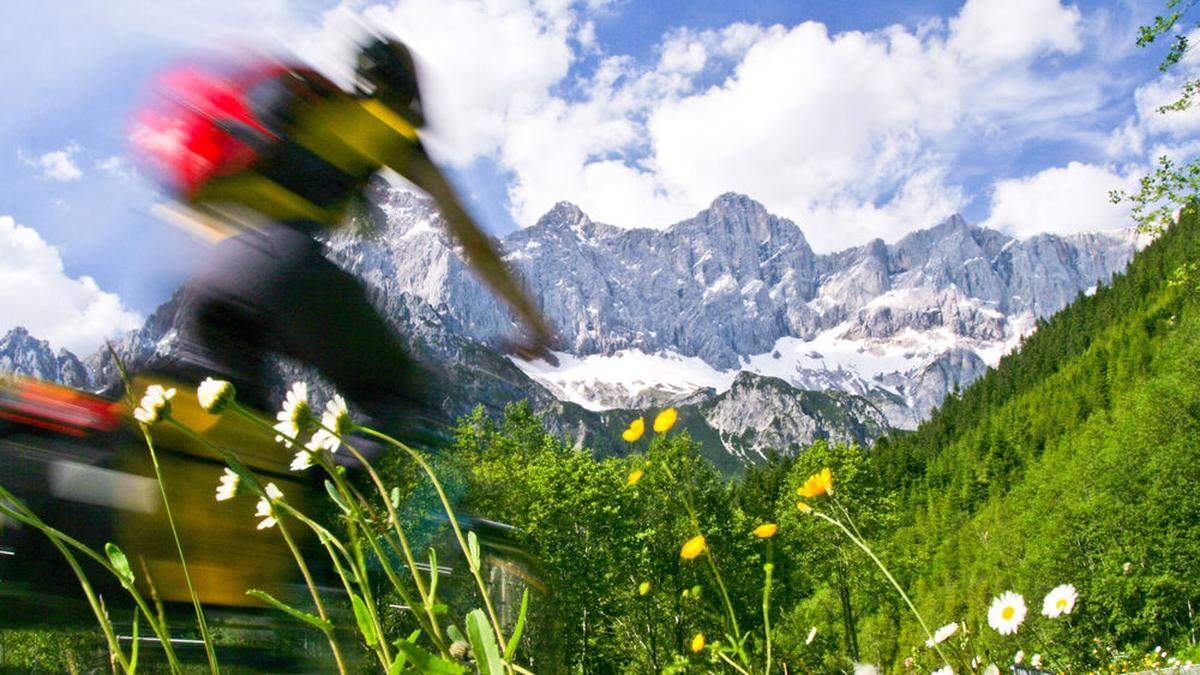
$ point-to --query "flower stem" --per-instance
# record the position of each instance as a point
(769, 568)
(116, 656)
(418, 579)
(27, 517)
(213, 666)
(329, 541)
(426, 622)
(712, 564)
(312, 589)
(462, 542)
(733, 664)
(866, 549)
(187, 575)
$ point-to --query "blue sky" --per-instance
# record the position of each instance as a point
(857, 120)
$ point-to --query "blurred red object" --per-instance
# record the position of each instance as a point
(200, 123)
(56, 408)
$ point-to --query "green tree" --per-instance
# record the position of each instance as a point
(1173, 184)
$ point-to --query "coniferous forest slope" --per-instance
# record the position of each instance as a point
(1076, 460)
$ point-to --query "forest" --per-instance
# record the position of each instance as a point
(1073, 462)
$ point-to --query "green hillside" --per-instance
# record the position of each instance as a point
(1075, 461)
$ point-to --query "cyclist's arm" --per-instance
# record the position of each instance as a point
(480, 252)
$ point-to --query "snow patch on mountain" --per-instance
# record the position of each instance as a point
(628, 378)
(883, 369)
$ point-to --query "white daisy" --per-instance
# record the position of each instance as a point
(940, 635)
(155, 405)
(337, 416)
(944, 670)
(295, 416)
(323, 440)
(263, 508)
(1006, 613)
(992, 669)
(215, 395)
(229, 485)
(302, 460)
(1019, 656)
(865, 669)
(1036, 661)
(1059, 601)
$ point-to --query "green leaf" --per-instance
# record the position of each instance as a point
(483, 644)
(519, 628)
(455, 634)
(398, 664)
(119, 562)
(439, 608)
(425, 662)
(337, 499)
(473, 549)
(363, 616)
(310, 619)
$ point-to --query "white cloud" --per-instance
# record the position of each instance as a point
(35, 292)
(483, 62)
(116, 166)
(854, 135)
(57, 165)
(1072, 198)
(993, 32)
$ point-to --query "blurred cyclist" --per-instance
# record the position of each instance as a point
(283, 147)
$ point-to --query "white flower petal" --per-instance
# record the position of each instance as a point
(1059, 601)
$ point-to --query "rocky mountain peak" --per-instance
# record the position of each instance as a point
(737, 218)
(23, 354)
(564, 217)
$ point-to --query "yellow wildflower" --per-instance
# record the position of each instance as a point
(817, 484)
(634, 477)
(665, 420)
(804, 508)
(635, 430)
(644, 588)
(766, 530)
(692, 548)
(698, 642)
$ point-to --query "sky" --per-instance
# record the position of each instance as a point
(857, 120)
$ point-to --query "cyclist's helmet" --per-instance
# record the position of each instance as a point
(387, 71)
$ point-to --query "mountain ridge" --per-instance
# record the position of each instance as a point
(889, 330)
(728, 285)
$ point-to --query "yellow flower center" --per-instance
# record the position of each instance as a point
(1008, 612)
(1062, 603)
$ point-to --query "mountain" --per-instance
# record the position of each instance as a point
(843, 345)
(754, 417)
(760, 415)
(647, 315)
(23, 354)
